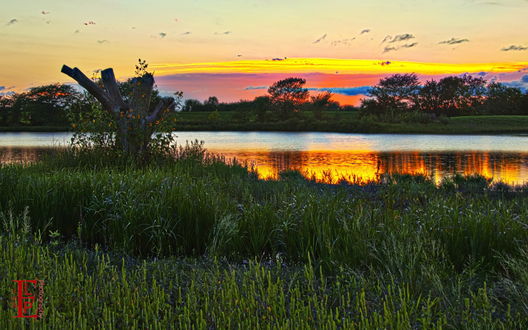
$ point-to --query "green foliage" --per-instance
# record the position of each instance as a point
(42, 105)
(401, 255)
(288, 95)
(96, 128)
(449, 96)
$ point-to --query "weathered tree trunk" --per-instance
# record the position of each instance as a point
(134, 118)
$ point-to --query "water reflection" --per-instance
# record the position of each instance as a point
(24, 155)
(511, 168)
(332, 165)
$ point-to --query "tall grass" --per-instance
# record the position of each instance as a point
(401, 252)
(200, 205)
(94, 289)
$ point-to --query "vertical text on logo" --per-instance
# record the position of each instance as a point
(25, 297)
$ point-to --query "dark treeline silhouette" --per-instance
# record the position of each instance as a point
(285, 98)
(394, 97)
(449, 96)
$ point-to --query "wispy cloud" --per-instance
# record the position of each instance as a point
(344, 42)
(323, 37)
(186, 33)
(44, 12)
(409, 45)
(90, 23)
(394, 48)
(514, 48)
(453, 41)
(223, 33)
(12, 21)
(348, 91)
(399, 37)
(102, 41)
(364, 31)
(522, 83)
(162, 34)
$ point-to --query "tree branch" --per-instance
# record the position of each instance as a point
(164, 103)
(90, 86)
(111, 86)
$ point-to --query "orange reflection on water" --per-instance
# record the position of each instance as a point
(362, 166)
(356, 166)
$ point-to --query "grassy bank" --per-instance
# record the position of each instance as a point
(94, 289)
(350, 122)
(334, 121)
(399, 253)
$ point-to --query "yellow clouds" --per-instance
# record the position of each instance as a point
(343, 66)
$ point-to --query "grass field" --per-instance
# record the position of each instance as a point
(335, 121)
(199, 243)
(349, 121)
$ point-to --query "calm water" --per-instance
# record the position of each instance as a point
(335, 155)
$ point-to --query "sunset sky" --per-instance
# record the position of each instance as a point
(234, 49)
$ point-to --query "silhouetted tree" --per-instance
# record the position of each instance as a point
(211, 104)
(321, 102)
(133, 115)
(501, 99)
(261, 105)
(397, 92)
(42, 105)
(287, 95)
(193, 105)
(454, 95)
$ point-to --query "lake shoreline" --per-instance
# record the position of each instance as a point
(334, 123)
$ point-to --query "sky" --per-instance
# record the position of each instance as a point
(235, 49)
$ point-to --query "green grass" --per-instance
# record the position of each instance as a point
(94, 289)
(196, 242)
(349, 121)
(337, 121)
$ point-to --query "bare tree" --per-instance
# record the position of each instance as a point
(134, 118)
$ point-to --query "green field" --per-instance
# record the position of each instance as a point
(350, 122)
(334, 121)
(196, 242)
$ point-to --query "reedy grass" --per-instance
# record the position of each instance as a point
(95, 289)
(399, 253)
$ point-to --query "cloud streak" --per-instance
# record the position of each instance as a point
(12, 21)
(348, 91)
(522, 83)
(398, 38)
(323, 37)
(453, 41)
(514, 48)
(394, 48)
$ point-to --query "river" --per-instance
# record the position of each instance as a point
(331, 156)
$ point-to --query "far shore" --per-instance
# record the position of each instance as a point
(341, 122)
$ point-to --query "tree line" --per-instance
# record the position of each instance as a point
(52, 105)
(449, 96)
